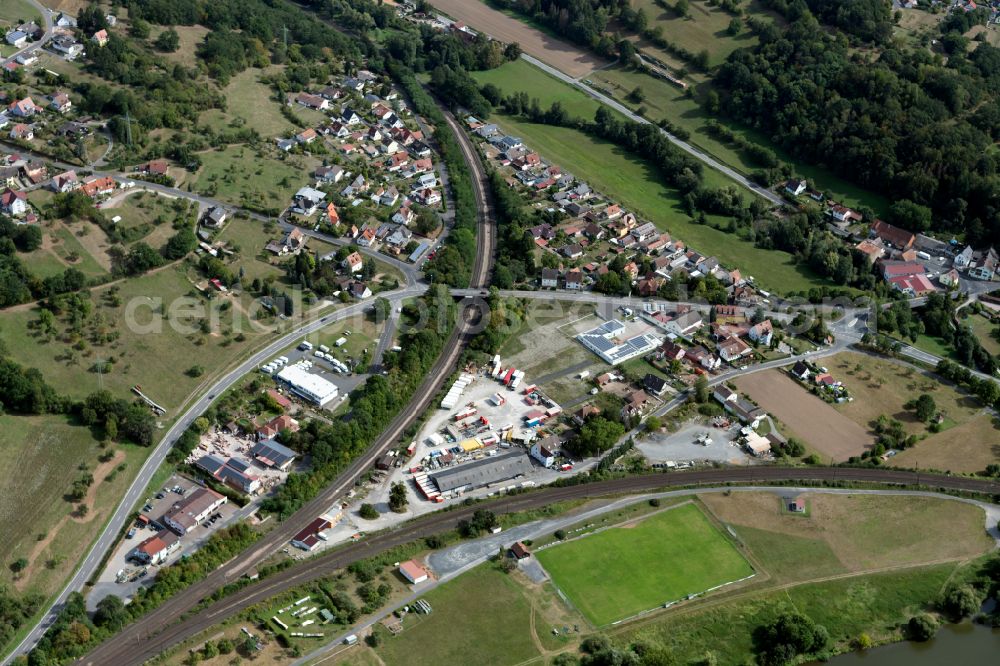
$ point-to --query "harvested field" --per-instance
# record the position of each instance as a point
(965, 449)
(559, 53)
(820, 426)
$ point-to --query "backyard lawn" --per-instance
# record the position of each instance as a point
(622, 571)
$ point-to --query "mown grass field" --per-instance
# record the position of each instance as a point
(623, 571)
(983, 328)
(14, 11)
(521, 76)
(639, 187)
(494, 620)
(967, 448)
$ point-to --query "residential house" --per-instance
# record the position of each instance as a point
(725, 395)
(544, 451)
(795, 187)
(307, 200)
(216, 217)
(428, 197)
(367, 237)
(873, 249)
(654, 384)
(685, 324)
(35, 171)
(22, 132)
(349, 117)
(670, 351)
(914, 285)
(572, 251)
(293, 243)
(359, 290)
(574, 279)
(843, 216)
(761, 333)
(66, 45)
(306, 136)
(312, 101)
(984, 265)
(157, 548)
(702, 357)
(964, 258)
(405, 214)
(154, 168)
(900, 239)
(100, 37)
(733, 349)
(949, 279)
(65, 182)
(353, 262)
(95, 187)
(271, 429)
(59, 102)
(23, 108)
(635, 403)
(14, 202)
(800, 370)
(550, 278)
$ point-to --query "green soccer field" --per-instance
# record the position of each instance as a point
(619, 572)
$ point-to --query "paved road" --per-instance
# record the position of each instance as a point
(120, 649)
(34, 46)
(683, 145)
(157, 632)
(124, 512)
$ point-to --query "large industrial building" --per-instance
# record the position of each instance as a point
(604, 340)
(311, 387)
(483, 472)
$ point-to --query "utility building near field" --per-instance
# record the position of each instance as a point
(312, 534)
(311, 387)
(483, 472)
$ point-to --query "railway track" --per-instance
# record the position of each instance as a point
(121, 648)
(141, 642)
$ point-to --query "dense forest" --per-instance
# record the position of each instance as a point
(902, 124)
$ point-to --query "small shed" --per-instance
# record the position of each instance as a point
(413, 572)
(797, 505)
(520, 551)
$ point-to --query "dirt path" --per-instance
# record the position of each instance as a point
(101, 471)
(833, 435)
(561, 54)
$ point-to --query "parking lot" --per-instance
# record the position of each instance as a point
(344, 381)
(132, 575)
(683, 446)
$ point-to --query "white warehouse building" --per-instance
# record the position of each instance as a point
(311, 387)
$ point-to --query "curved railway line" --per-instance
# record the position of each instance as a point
(141, 641)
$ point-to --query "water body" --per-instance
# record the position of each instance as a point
(958, 644)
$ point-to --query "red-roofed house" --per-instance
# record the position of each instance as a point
(100, 37)
(915, 285)
(901, 239)
(14, 202)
